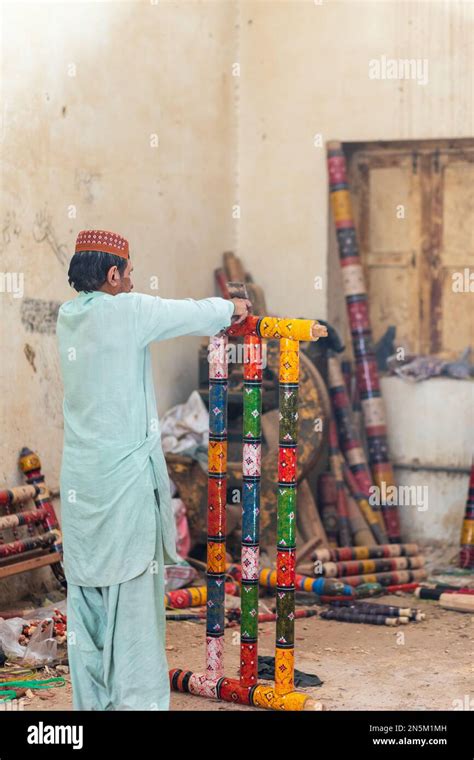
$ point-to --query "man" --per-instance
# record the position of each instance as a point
(117, 521)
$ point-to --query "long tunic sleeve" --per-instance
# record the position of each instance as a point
(162, 318)
(113, 462)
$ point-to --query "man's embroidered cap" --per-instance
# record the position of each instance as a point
(101, 240)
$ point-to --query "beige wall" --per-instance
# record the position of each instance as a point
(84, 141)
(81, 137)
(305, 73)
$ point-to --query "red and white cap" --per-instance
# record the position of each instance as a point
(101, 240)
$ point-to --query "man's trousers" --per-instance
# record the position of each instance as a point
(116, 641)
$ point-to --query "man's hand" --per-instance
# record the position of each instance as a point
(242, 308)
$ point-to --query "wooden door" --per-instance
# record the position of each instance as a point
(414, 211)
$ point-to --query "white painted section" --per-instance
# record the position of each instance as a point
(431, 424)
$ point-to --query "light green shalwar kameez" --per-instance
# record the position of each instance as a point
(116, 533)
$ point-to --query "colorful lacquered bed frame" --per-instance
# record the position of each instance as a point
(212, 682)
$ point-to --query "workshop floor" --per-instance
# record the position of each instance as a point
(426, 665)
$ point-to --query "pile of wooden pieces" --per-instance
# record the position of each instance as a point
(35, 529)
(372, 613)
(386, 565)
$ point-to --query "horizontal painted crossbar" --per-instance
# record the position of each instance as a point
(279, 327)
(231, 690)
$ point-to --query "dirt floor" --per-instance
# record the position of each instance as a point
(419, 666)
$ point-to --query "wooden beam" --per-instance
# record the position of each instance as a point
(30, 564)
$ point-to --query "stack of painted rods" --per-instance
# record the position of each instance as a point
(367, 378)
(13, 497)
(43, 533)
(268, 579)
(371, 613)
(387, 565)
(345, 492)
(212, 683)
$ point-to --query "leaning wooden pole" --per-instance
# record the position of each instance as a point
(358, 313)
(335, 462)
(351, 447)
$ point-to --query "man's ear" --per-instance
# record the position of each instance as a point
(113, 277)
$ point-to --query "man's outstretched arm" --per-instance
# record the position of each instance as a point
(162, 318)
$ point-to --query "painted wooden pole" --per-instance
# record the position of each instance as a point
(352, 449)
(459, 601)
(251, 471)
(364, 566)
(286, 516)
(216, 513)
(268, 580)
(335, 461)
(235, 615)
(18, 495)
(466, 557)
(387, 579)
(318, 586)
(387, 610)
(327, 503)
(22, 518)
(44, 541)
(231, 690)
(360, 530)
(194, 596)
(367, 590)
(343, 554)
(436, 593)
(13, 496)
(177, 617)
(349, 616)
(405, 588)
(279, 327)
(358, 314)
(268, 617)
(372, 516)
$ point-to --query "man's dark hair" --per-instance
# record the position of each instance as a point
(88, 269)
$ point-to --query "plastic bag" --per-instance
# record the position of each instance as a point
(42, 646)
